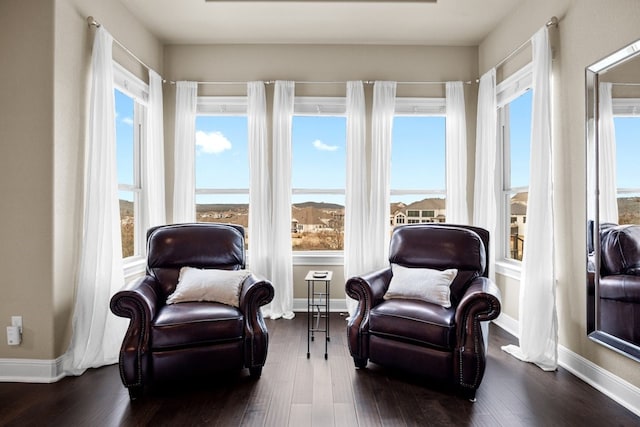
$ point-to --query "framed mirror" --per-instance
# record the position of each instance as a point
(613, 200)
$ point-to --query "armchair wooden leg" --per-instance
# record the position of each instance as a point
(360, 363)
(135, 392)
(255, 372)
(469, 394)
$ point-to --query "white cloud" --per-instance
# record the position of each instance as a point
(324, 147)
(212, 142)
(127, 121)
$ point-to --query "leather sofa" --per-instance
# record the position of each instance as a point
(446, 345)
(619, 285)
(187, 340)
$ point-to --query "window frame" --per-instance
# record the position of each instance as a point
(226, 106)
(328, 106)
(420, 107)
(507, 91)
(127, 83)
(221, 106)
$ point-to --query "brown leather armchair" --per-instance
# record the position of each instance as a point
(166, 342)
(423, 338)
(619, 286)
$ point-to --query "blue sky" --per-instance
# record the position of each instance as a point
(124, 137)
(627, 151)
(319, 152)
(520, 139)
(319, 155)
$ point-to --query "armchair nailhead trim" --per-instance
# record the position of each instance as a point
(476, 324)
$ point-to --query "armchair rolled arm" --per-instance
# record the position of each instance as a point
(255, 293)
(480, 303)
(139, 302)
(482, 299)
(368, 290)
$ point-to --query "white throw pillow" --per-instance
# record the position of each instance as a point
(422, 284)
(222, 286)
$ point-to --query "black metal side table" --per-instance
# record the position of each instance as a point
(318, 289)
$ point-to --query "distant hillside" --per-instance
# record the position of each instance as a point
(126, 208)
(629, 210)
(226, 207)
(222, 207)
(317, 205)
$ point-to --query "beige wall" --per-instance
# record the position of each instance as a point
(45, 49)
(588, 31)
(325, 63)
(26, 171)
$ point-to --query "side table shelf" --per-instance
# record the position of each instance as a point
(318, 291)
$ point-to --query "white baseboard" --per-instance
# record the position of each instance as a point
(508, 324)
(31, 370)
(621, 391)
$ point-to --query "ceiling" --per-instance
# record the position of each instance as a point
(447, 22)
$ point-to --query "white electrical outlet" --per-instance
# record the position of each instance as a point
(17, 321)
(14, 332)
(13, 335)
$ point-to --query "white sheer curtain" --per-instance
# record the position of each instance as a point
(153, 168)
(356, 232)
(607, 157)
(384, 102)
(538, 321)
(184, 201)
(260, 181)
(456, 157)
(280, 254)
(485, 198)
(97, 333)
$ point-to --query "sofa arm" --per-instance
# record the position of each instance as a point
(480, 303)
(369, 291)
(255, 293)
(139, 302)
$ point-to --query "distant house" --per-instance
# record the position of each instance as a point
(423, 211)
(312, 219)
(519, 213)
(518, 218)
(518, 227)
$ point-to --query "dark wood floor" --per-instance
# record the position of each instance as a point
(297, 391)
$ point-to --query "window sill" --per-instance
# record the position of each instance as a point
(508, 268)
(318, 258)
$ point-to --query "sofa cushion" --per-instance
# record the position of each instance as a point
(195, 284)
(195, 323)
(420, 322)
(423, 284)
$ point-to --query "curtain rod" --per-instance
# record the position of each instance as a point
(270, 82)
(93, 23)
(551, 23)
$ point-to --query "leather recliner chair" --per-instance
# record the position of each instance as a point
(166, 342)
(443, 344)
